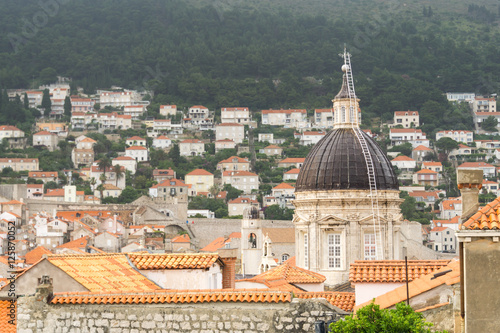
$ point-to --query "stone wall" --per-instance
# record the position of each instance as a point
(35, 315)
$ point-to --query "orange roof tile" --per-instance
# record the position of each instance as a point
(475, 165)
(238, 173)
(238, 160)
(80, 243)
(293, 171)
(420, 285)
(108, 272)
(289, 111)
(174, 260)
(450, 204)
(422, 147)
(181, 239)
(36, 254)
(289, 273)
(199, 172)
(403, 158)
(243, 200)
(5, 326)
(175, 296)
(136, 138)
(425, 171)
(428, 164)
(392, 270)
(283, 186)
(229, 125)
(293, 160)
(487, 218)
(137, 148)
(342, 300)
(191, 141)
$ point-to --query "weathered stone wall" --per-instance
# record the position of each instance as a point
(34, 315)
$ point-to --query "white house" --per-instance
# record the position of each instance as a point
(458, 136)
(323, 118)
(231, 131)
(407, 119)
(482, 104)
(139, 153)
(460, 97)
(404, 163)
(242, 180)
(191, 147)
(128, 162)
(168, 110)
(443, 239)
(224, 144)
(47, 139)
(291, 174)
(240, 115)
(309, 137)
(288, 118)
(162, 142)
(135, 141)
(416, 137)
(135, 111)
(488, 169)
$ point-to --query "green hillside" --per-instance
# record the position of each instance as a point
(261, 54)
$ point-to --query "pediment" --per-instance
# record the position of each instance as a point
(332, 219)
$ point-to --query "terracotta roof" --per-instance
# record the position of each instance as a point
(238, 173)
(238, 108)
(403, 158)
(283, 186)
(176, 296)
(44, 133)
(12, 202)
(5, 326)
(487, 218)
(220, 242)
(243, 200)
(438, 229)
(35, 185)
(420, 285)
(170, 182)
(36, 254)
(323, 110)
(287, 273)
(181, 239)
(422, 147)
(191, 141)
(79, 243)
(428, 164)
(485, 182)
(229, 125)
(424, 194)
(342, 300)
(9, 128)
(108, 272)
(392, 270)
(238, 160)
(450, 204)
(426, 171)
(136, 138)
(475, 165)
(111, 187)
(174, 260)
(293, 171)
(272, 147)
(58, 192)
(198, 107)
(161, 137)
(406, 113)
(137, 148)
(199, 172)
(405, 130)
(293, 160)
(123, 158)
(40, 174)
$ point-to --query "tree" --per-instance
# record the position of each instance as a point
(46, 103)
(26, 101)
(67, 106)
(275, 212)
(372, 319)
(232, 192)
(119, 173)
(104, 164)
(214, 190)
(48, 75)
(446, 145)
(490, 124)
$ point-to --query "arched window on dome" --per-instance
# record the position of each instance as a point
(351, 114)
(343, 115)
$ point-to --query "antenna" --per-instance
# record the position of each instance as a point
(377, 230)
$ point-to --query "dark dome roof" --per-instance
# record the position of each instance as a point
(337, 162)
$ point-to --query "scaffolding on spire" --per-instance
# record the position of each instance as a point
(377, 230)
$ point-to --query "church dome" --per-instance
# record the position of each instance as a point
(337, 162)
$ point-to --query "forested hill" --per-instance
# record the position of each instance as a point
(258, 53)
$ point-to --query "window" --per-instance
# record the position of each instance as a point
(284, 257)
(370, 247)
(334, 251)
(447, 232)
(306, 251)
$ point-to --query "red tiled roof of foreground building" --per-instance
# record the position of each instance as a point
(392, 270)
(487, 218)
(176, 297)
(420, 285)
(5, 326)
(174, 260)
(342, 300)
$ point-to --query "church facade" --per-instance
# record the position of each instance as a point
(347, 197)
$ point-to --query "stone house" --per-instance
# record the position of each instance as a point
(224, 144)
(160, 175)
(239, 205)
(230, 131)
(291, 174)
(45, 176)
(191, 147)
(234, 163)
(323, 118)
(200, 180)
(240, 115)
(135, 141)
(420, 152)
(19, 164)
(162, 142)
(272, 150)
(426, 177)
(295, 162)
(108, 242)
(168, 110)
(407, 119)
(46, 139)
(242, 180)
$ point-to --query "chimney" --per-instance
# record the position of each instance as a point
(45, 289)
(469, 183)
(228, 272)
